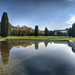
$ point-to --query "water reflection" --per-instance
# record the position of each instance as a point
(6, 46)
(5, 49)
(46, 43)
(43, 65)
(73, 50)
(22, 58)
(36, 45)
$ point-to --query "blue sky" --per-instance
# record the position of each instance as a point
(54, 14)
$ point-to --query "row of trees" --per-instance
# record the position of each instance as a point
(7, 29)
(46, 32)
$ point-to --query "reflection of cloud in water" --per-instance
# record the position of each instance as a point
(56, 59)
(51, 64)
(50, 58)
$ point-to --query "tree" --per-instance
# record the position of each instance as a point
(51, 33)
(70, 32)
(36, 30)
(0, 28)
(73, 30)
(4, 25)
(46, 32)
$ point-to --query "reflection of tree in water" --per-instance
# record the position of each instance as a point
(36, 45)
(19, 43)
(5, 47)
(46, 43)
(73, 49)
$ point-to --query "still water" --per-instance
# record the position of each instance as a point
(36, 58)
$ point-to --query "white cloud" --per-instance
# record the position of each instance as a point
(70, 0)
(71, 20)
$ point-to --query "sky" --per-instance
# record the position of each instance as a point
(53, 14)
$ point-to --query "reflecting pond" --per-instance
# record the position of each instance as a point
(36, 58)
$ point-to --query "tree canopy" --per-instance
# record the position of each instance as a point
(36, 30)
(4, 25)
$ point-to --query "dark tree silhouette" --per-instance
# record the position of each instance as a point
(73, 30)
(4, 25)
(46, 32)
(36, 30)
(51, 33)
(70, 32)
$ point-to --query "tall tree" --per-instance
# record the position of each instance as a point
(4, 25)
(46, 32)
(36, 30)
(0, 28)
(73, 30)
(70, 32)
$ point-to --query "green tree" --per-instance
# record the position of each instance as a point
(10, 28)
(4, 25)
(36, 30)
(51, 33)
(70, 32)
(46, 31)
(73, 30)
(0, 28)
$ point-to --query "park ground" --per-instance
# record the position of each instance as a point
(39, 38)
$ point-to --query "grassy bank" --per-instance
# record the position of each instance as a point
(2, 38)
(40, 37)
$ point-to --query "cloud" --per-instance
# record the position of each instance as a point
(71, 20)
(70, 0)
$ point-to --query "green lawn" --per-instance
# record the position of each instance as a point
(2, 38)
(41, 37)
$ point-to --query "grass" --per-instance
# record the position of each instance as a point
(41, 37)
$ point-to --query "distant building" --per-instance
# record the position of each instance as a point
(61, 32)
